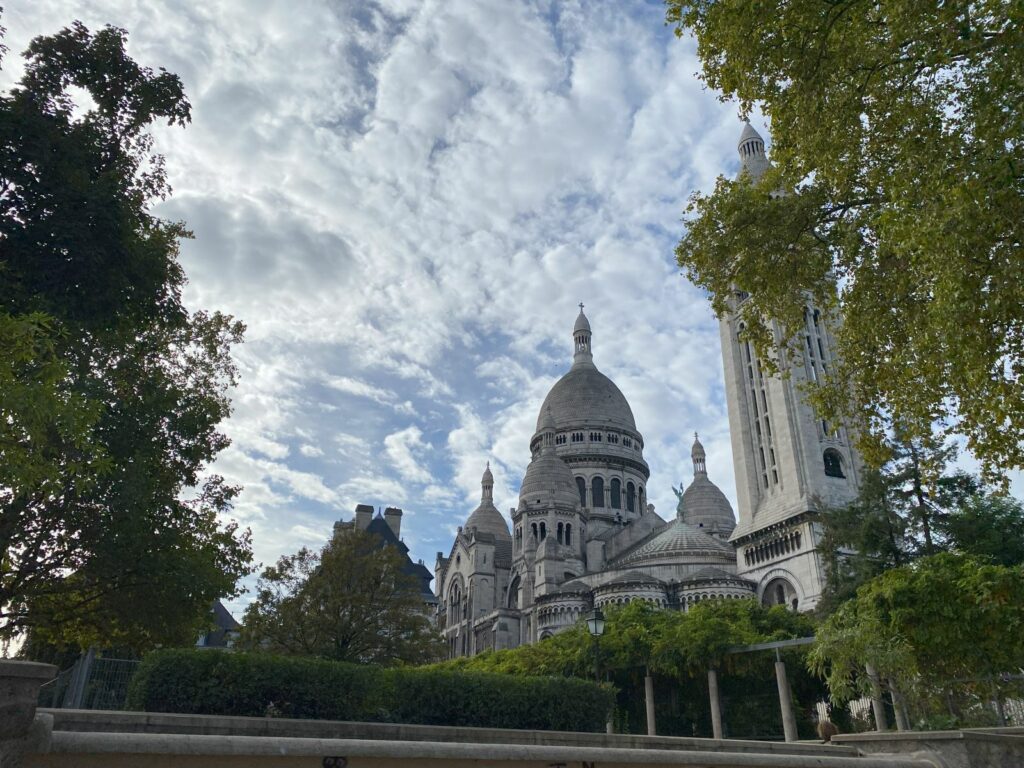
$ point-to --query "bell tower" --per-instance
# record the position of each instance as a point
(789, 463)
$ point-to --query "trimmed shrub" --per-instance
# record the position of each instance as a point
(220, 683)
(256, 684)
(488, 700)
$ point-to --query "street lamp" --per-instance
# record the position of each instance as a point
(595, 625)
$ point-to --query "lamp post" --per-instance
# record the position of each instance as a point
(595, 625)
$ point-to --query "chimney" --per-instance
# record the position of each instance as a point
(393, 517)
(364, 514)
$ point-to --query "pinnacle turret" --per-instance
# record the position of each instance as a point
(581, 339)
(753, 160)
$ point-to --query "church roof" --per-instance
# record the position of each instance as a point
(582, 323)
(676, 539)
(631, 577)
(548, 479)
(704, 505)
(584, 397)
(487, 519)
(574, 587)
(748, 133)
(710, 574)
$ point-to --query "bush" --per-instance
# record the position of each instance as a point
(220, 683)
(255, 684)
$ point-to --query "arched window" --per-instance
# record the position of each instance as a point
(833, 463)
(568, 533)
(597, 491)
(581, 486)
(616, 493)
(559, 533)
(630, 497)
(534, 526)
(543, 531)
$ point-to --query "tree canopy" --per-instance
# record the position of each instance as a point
(349, 602)
(901, 515)
(943, 618)
(675, 644)
(111, 390)
(897, 135)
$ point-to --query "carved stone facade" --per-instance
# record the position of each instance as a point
(582, 535)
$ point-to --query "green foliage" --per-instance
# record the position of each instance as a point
(943, 617)
(678, 649)
(989, 526)
(349, 602)
(111, 389)
(897, 132)
(223, 683)
(913, 507)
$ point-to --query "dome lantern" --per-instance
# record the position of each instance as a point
(487, 485)
(753, 160)
(581, 339)
(698, 456)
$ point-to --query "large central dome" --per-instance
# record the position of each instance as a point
(585, 397)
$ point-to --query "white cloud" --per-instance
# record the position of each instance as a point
(406, 449)
(404, 201)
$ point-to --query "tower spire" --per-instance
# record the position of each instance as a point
(487, 485)
(753, 160)
(699, 457)
(581, 339)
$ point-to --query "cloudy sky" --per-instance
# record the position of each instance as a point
(405, 200)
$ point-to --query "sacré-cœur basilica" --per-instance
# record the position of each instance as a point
(584, 536)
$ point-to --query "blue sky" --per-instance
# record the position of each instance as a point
(405, 201)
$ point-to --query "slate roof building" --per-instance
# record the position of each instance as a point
(387, 527)
(224, 630)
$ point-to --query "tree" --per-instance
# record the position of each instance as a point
(942, 619)
(898, 131)
(349, 602)
(912, 507)
(989, 526)
(677, 649)
(111, 390)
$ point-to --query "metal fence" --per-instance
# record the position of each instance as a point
(93, 682)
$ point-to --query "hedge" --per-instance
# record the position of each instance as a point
(256, 684)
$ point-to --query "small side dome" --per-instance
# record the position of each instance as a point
(486, 518)
(703, 505)
(548, 482)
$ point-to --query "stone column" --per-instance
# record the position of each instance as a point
(877, 705)
(785, 702)
(716, 704)
(21, 729)
(649, 700)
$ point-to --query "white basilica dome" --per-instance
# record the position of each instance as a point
(584, 398)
